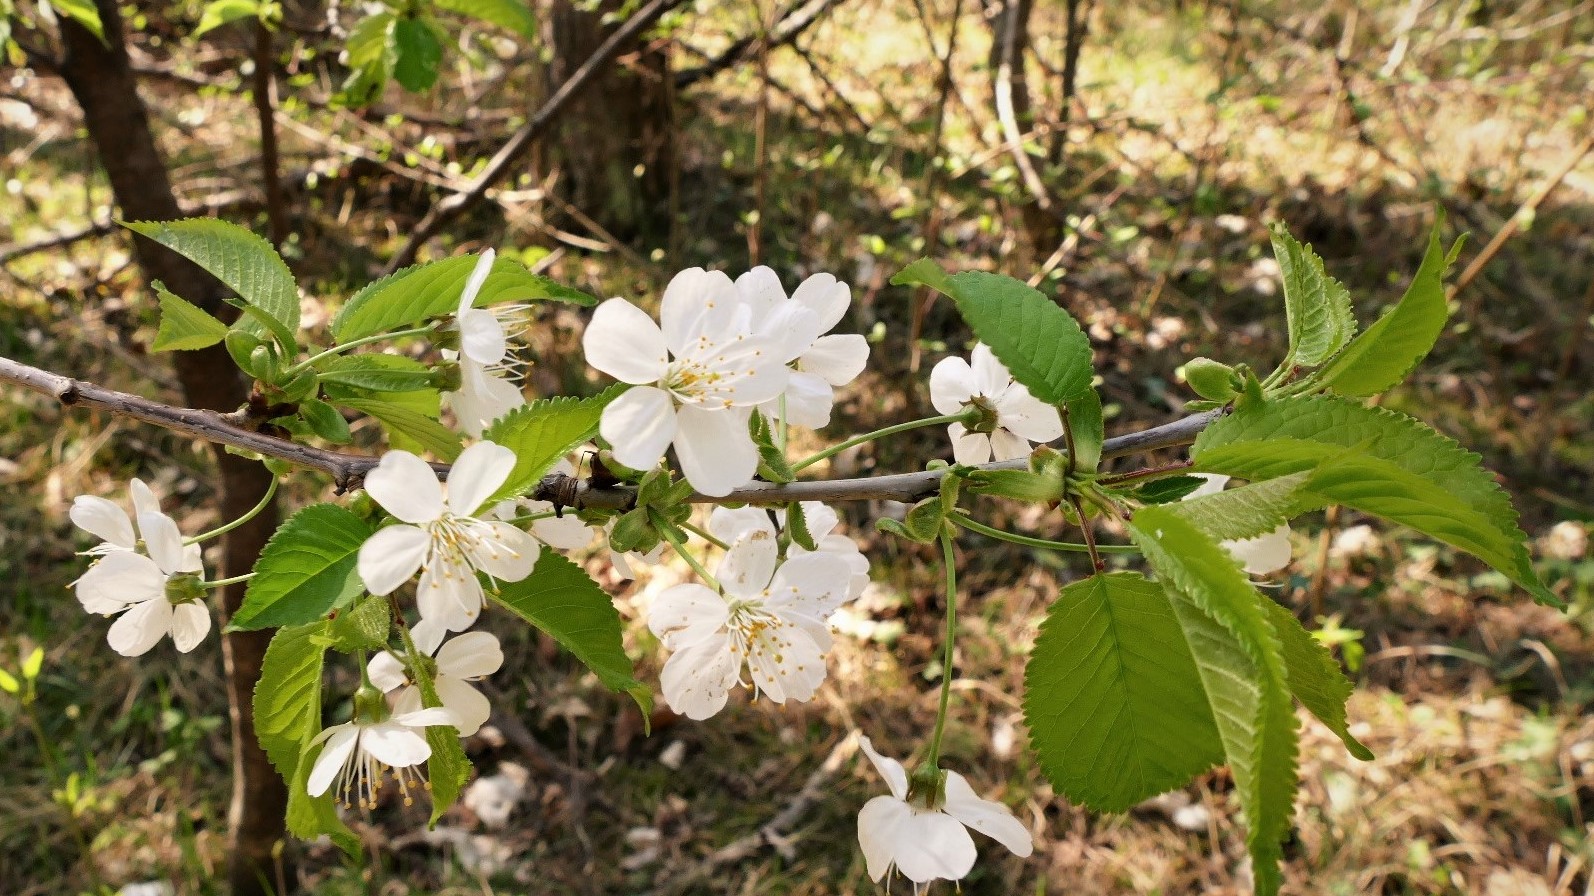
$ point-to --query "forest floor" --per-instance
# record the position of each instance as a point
(1190, 132)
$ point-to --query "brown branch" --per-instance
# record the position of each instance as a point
(14, 251)
(264, 93)
(791, 26)
(451, 207)
(348, 470)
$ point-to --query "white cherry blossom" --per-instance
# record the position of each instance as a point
(926, 837)
(822, 521)
(698, 374)
(771, 619)
(157, 594)
(820, 363)
(106, 519)
(1016, 418)
(1261, 555)
(358, 755)
(441, 536)
(484, 395)
(459, 661)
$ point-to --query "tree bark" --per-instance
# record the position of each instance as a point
(615, 146)
(101, 78)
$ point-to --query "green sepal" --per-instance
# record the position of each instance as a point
(772, 464)
(797, 527)
(633, 531)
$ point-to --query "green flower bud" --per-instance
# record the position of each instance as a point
(1211, 379)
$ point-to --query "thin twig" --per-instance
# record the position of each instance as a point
(792, 24)
(264, 93)
(18, 250)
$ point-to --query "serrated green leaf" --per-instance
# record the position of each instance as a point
(83, 12)
(420, 53)
(1088, 428)
(512, 15)
(184, 326)
(561, 599)
(306, 570)
(325, 421)
(372, 53)
(1114, 704)
(1389, 349)
(1164, 491)
(220, 12)
(1314, 676)
(425, 291)
(543, 432)
(287, 699)
(308, 817)
(448, 768)
(1316, 305)
(1250, 510)
(1039, 343)
(238, 258)
(1417, 477)
(1242, 667)
(366, 626)
(377, 373)
(419, 428)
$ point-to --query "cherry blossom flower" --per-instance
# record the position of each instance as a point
(771, 619)
(1013, 418)
(459, 661)
(358, 755)
(822, 522)
(1260, 555)
(484, 395)
(798, 325)
(925, 836)
(106, 519)
(443, 538)
(157, 595)
(697, 378)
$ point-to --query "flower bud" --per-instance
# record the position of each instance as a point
(1211, 379)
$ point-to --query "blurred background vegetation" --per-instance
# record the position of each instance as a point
(1124, 157)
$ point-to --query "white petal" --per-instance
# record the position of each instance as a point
(837, 358)
(749, 564)
(390, 557)
(728, 524)
(427, 636)
(103, 519)
(716, 452)
(471, 655)
(640, 425)
(137, 630)
(697, 680)
(925, 846)
(387, 672)
(566, 533)
(502, 551)
(476, 474)
(1264, 553)
(1214, 483)
(341, 741)
(622, 341)
(120, 579)
(481, 337)
(822, 519)
(969, 447)
(478, 277)
(785, 663)
(1027, 415)
(163, 541)
(1007, 446)
(890, 769)
(990, 377)
(395, 744)
(685, 615)
(482, 398)
(827, 297)
(878, 823)
(807, 401)
(813, 585)
(144, 500)
(989, 817)
(467, 705)
(699, 305)
(190, 624)
(760, 288)
(406, 487)
(408, 701)
(951, 385)
(424, 718)
(449, 595)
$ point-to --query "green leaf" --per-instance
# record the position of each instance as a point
(512, 15)
(307, 569)
(1250, 510)
(83, 12)
(1085, 422)
(420, 52)
(183, 325)
(9, 683)
(238, 258)
(1114, 704)
(400, 420)
(372, 53)
(325, 421)
(1242, 667)
(1314, 676)
(220, 12)
(1411, 474)
(422, 292)
(366, 626)
(562, 600)
(543, 432)
(1164, 491)
(288, 695)
(376, 373)
(1316, 305)
(309, 817)
(1039, 343)
(1388, 350)
(448, 768)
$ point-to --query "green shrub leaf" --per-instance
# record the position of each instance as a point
(399, 419)
(420, 53)
(448, 768)
(1316, 305)
(1314, 676)
(562, 600)
(220, 12)
(238, 258)
(367, 625)
(184, 326)
(1114, 704)
(306, 570)
(511, 15)
(1039, 343)
(376, 373)
(288, 695)
(543, 432)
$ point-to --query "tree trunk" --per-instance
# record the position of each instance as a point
(615, 146)
(100, 77)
